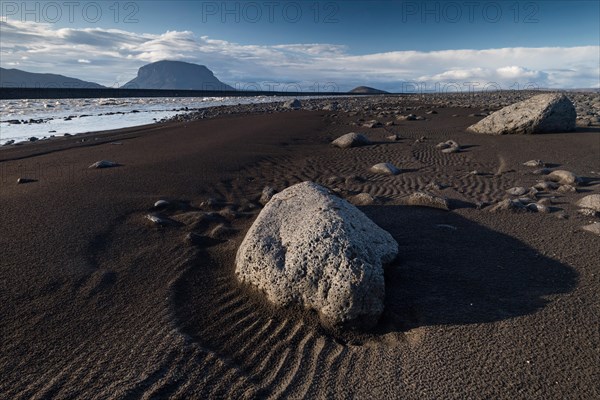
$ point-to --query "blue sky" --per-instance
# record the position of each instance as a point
(385, 43)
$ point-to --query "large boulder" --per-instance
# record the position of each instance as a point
(539, 114)
(310, 248)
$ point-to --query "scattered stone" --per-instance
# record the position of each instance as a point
(517, 191)
(267, 193)
(334, 180)
(331, 106)
(362, 199)
(33, 139)
(449, 146)
(159, 220)
(390, 123)
(394, 137)
(292, 104)
(385, 169)
(9, 142)
(351, 139)
(432, 112)
(372, 124)
(592, 228)
(423, 199)
(588, 212)
(312, 249)
(21, 181)
(534, 163)
(508, 205)
(104, 164)
(563, 177)
(161, 204)
(562, 215)
(539, 114)
(537, 207)
(591, 201)
(566, 189)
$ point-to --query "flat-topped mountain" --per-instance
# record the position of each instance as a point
(16, 78)
(367, 89)
(176, 75)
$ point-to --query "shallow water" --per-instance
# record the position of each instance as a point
(61, 116)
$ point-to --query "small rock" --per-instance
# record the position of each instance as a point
(422, 199)
(592, 228)
(267, 193)
(393, 137)
(591, 201)
(351, 139)
(385, 169)
(537, 207)
(508, 205)
(588, 212)
(563, 177)
(372, 124)
(160, 204)
(449, 146)
(21, 181)
(534, 163)
(517, 191)
(104, 164)
(566, 189)
(362, 199)
(159, 220)
(292, 104)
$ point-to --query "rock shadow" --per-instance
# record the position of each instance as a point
(466, 275)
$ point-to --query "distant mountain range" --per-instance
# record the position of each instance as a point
(15, 78)
(367, 90)
(174, 75)
(177, 75)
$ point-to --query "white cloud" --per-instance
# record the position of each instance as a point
(117, 54)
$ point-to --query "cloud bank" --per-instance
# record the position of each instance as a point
(111, 57)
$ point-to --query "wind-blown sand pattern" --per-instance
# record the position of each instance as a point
(97, 302)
